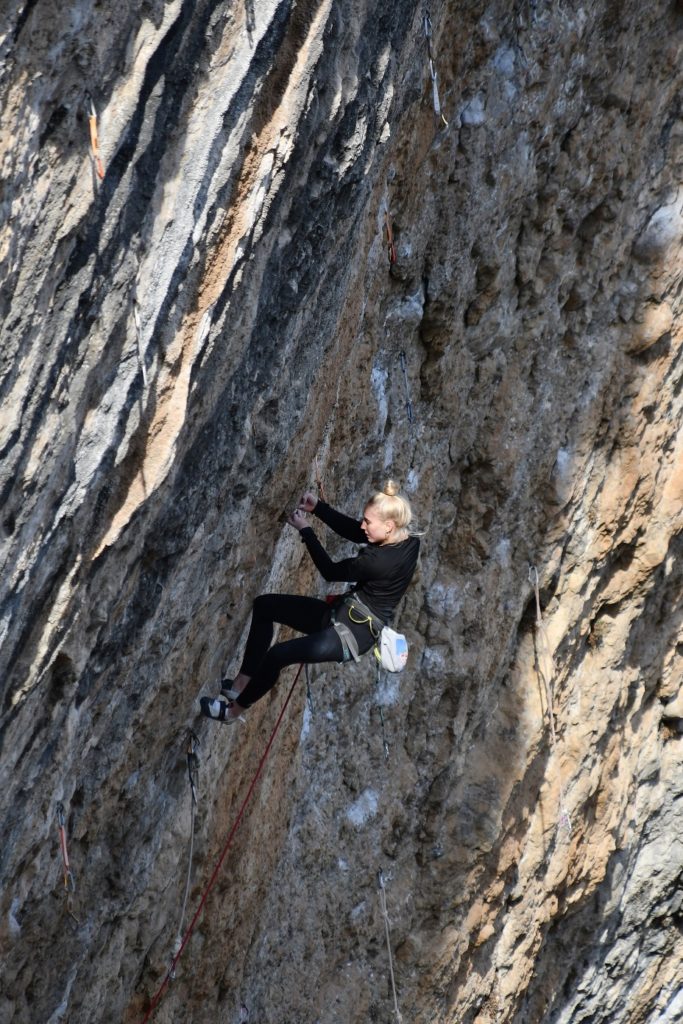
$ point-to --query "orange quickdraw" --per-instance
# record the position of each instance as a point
(391, 245)
(94, 143)
(69, 884)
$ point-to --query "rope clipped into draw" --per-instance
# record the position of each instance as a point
(546, 673)
(385, 915)
(69, 883)
(428, 31)
(391, 244)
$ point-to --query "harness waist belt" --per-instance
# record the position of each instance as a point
(351, 600)
(345, 634)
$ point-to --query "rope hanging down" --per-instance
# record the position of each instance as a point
(385, 915)
(228, 843)
(192, 770)
(427, 26)
(546, 674)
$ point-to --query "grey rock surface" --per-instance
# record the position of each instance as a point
(193, 329)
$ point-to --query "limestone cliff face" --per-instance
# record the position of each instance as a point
(197, 312)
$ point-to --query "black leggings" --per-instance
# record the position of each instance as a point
(305, 614)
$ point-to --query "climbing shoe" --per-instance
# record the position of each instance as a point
(214, 707)
(227, 690)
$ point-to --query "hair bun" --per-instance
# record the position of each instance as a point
(390, 504)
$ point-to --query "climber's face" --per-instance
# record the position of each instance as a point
(378, 531)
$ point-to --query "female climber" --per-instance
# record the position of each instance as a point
(380, 575)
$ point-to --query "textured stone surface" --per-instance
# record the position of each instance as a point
(182, 341)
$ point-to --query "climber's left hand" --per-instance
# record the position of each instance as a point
(297, 519)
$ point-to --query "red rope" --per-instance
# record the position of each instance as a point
(190, 928)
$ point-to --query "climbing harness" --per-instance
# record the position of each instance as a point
(69, 883)
(427, 26)
(391, 244)
(546, 673)
(228, 843)
(385, 915)
(348, 640)
(391, 648)
(350, 646)
(94, 142)
(192, 773)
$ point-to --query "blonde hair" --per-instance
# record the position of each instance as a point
(390, 504)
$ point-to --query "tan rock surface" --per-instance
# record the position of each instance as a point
(181, 342)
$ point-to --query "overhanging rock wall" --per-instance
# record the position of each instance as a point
(184, 339)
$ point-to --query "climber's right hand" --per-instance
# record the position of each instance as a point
(308, 502)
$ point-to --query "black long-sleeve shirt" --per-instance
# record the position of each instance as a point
(382, 571)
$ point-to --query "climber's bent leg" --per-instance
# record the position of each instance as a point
(305, 614)
(314, 649)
